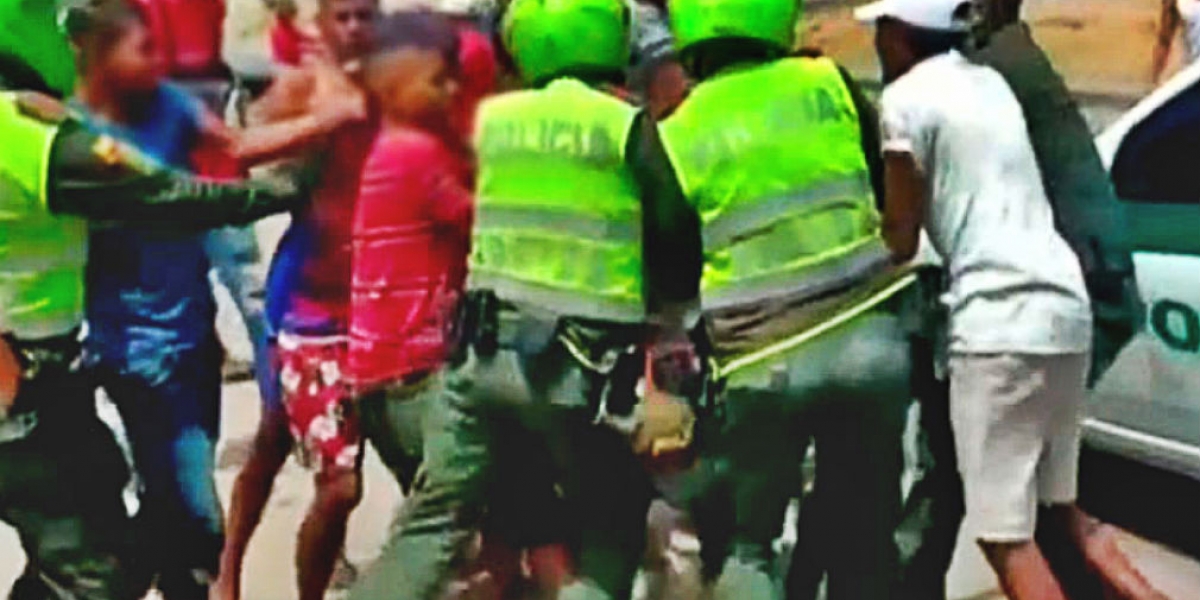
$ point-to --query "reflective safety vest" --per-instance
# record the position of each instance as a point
(42, 256)
(771, 158)
(558, 221)
(30, 33)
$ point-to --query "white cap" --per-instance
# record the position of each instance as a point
(942, 15)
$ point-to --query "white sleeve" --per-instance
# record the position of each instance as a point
(901, 126)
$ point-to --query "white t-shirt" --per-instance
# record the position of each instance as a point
(1189, 12)
(1015, 285)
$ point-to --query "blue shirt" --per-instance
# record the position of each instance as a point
(149, 296)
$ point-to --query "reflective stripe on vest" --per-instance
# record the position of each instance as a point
(558, 220)
(42, 256)
(771, 157)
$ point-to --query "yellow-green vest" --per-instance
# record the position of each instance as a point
(771, 158)
(558, 223)
(42, 256)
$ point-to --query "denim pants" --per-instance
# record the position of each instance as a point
(238, 266)
(847, 393)
(518, 422)
(173, 421)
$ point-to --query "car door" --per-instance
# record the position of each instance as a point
(1152, 393)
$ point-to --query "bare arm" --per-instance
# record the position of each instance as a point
(1168, 24)
(301, 115)
(905, 206)
(286, 98)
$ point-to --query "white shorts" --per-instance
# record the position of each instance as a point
(1017, 422)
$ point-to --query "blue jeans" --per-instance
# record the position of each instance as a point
(237, 262)
(173, 419)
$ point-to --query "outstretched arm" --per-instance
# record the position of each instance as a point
(96, 177)
(304, 111)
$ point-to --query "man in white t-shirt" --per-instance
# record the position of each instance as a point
(960, 164)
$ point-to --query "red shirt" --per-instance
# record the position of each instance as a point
(411, 234)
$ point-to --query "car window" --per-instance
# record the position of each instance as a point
(1159, 159)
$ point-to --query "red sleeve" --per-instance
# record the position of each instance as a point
(417, 167)
(453, 203)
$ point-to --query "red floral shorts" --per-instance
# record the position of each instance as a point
(318, 401)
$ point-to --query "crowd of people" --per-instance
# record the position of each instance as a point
(556, 260)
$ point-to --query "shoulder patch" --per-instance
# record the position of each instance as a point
(113, 152)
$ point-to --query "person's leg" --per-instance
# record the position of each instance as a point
(933, 511)
(393, 420)
(323, 418)
(323, 532)
(527, 529)
(193, 395)
(446, 508)
(1102, 555)
(1023, 571)
(763, 449)
(148, 426)
(60, 488)
(609, 493)
(858, 429)
(1058, 474)
(269, 451)
(1001, 414)
(251, 491)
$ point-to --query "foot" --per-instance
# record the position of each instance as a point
(345, 574)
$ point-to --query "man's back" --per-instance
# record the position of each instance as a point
(988, 214)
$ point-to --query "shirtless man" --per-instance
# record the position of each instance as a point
(303, 299)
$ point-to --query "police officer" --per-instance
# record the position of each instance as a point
(556, 315)
(61, 473)
(799, 297)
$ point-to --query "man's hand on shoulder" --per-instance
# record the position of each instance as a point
(46, 109)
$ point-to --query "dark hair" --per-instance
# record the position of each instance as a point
(96, 27)
(422, 30)
(709, 57)
(932, 42)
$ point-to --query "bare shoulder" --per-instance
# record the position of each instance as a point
(287, 97)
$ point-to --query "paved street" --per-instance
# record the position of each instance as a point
(270, 573)
(1079, 38)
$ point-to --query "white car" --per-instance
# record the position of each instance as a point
(1147, 406)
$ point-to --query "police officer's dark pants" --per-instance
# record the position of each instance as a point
(848, 391)
(60, 487)
(506, 395)
(934, 508)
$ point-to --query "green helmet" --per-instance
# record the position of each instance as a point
(770, 21)
(548, 37)
(30, 33)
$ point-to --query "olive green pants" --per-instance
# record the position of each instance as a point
(846, 392)
(518, 421)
